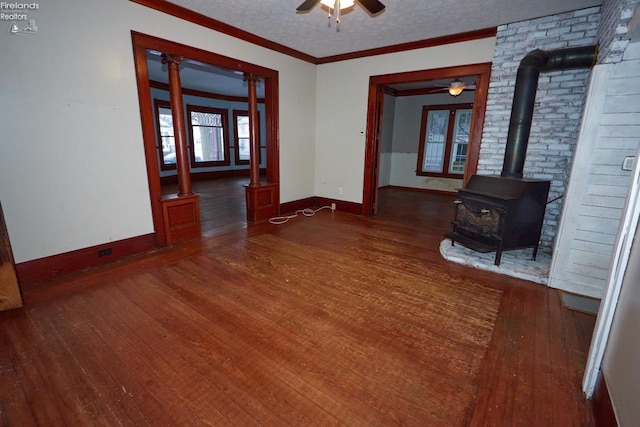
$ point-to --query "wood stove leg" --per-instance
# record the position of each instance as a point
(535, 251)
(496, 261)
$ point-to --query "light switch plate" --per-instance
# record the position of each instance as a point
(628, 162)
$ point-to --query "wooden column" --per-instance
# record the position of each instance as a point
(261, 198)
(179, 129)
(254, 129)
(180, 212)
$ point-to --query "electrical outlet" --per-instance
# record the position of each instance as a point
(340, 191)
(105, 252)
(333, 207)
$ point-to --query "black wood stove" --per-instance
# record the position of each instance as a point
(494, 214)
(498, 213)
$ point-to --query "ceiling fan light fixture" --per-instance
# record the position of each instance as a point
(456, 87)
(340, 4)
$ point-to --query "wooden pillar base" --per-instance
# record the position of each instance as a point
(181, 216)
(261, 202)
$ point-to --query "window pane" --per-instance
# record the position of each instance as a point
(165, 121)
(208, 136)
(460, 141)
(242, 129)
(208, 145)
(436, 135)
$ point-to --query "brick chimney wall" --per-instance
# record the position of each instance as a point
(559, 103)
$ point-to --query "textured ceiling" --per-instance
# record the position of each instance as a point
(312, 33)
(402, 21)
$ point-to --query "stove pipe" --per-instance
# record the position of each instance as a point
(524, 96)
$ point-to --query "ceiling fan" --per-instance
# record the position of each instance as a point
(456, 87)
(372, 6)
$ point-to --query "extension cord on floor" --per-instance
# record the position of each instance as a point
(306, 212)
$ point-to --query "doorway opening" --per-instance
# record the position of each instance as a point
(425, 83)
(156, 158)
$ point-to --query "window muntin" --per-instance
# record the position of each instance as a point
(444, 138)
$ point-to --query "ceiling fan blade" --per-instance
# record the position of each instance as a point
(307, 5)
(372, 6)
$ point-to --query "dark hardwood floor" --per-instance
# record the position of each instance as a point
(292, 324)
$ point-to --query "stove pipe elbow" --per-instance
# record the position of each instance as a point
(524, 97)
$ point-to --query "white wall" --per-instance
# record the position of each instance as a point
(72, 167)
(341, 109)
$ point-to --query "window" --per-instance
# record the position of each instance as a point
(241, 139)
(165, 142)
(444, 136)
(208, 133)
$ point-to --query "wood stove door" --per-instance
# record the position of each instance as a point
(475, 217)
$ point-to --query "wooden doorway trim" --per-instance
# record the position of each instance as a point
(142, 43)
(377, 86)
(10, 291)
